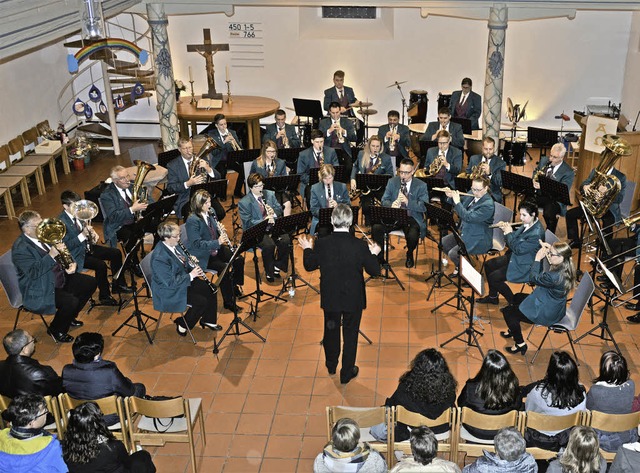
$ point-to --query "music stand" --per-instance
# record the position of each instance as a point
(475, 280)
(372, 182)
(558, 191)
(458, 296)
(520, 185)
(390, 218)
(308, 108)
(432, 182)
(340, 174)
(290, 156)
(217, 189)
(465, 123)
(282, 183)
(463, 184)
(424, 147)
(444, 220)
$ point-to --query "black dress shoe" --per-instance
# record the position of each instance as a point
(632, 306)
(238, 291)
(276, 274)
(269, 278)
(409, 263)
(121, 288)
(506, 334)
(606, 284)
(602, 278)
(60, 337)
(488, 300)
(76, 323)
(233, 307)
(354, 372)
(517, 349)
(182, 331)
(634, 319)
(210, 326)
(109, 301)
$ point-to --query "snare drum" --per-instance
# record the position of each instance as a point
(418, 102)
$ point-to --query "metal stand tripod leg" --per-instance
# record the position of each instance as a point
(470, 332)
(386, 265)
(235, 326)
(437, 275)
(458, 297)
(289, 284)
(259, 295)
(603, 326)
(137, 314)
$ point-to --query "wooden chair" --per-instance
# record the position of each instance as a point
(446, 440)
(52, 406)
(18, 165)
(45, 153)
(543, 422)
(611, 423)
(155, 422)
(44, 126)
(473, 446)
(12, 182)
(8, 202)
(4, 405)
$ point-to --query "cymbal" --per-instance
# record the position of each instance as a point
(368, 111)
(510, 114)
(397, 83)
(362, 104)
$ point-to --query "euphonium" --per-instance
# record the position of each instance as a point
(208, 146)
(474, 174)
(436, 165)
(85, 211)
(139, 190)
(52, 231)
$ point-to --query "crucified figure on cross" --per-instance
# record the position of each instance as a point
(207, 50)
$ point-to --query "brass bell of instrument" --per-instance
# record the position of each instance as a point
(52, 231)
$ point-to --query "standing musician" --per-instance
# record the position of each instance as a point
(339, 133)
(554, 167)
(184, 173)
(466, 103)
(341, 258)
(476, 214)
(209, 242)
(405, 192)
(324, 194)
(450, 159)
(314, 157)
(281, 133)
(269, 165)
(227, 141)
(371, 160)
(514, 266)
(396, 137)
(444, 123)
(46, 286)
(547, 304)
(258, 205)
(178, 284)
(345, 96)
(82, 243)
(490, 166)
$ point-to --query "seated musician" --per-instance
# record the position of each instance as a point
(210, 247)
(178, 285)
(547, 304)
(227, 141)
(281, 133)
(444, 123)
(339, 133)
(405, 192)
(269, 165)
(466, 103)
(396, 137)
(46, 285)
(554, 167)
(314, 157)
(448, 160)
(258, 205)
(476, 214)
(626, 248)
(324, 194)
(371, 161)
(489, 165)
(523, 244)
(184, 172)
(82, 242)
(611, 216)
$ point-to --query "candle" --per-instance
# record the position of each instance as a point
(227, 71)
(190, 74)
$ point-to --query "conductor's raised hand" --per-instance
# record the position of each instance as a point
(374, 248)
(305, 242)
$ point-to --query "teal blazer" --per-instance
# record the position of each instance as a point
(474, 223)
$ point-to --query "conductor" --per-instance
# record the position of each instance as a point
(341, 258)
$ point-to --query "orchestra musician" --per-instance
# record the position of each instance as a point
(180, 285)
(326, 193)
(476, 214)
(281, 133)
(210, 246)
(46, 286)
(624, 248)
(180, 177)
(371, 160)
(403, 191)
(227, 141)
(314, 157)
(547, 304)
(396, 137)
(339, 133)
(269, 165)
(523, 243)
(444, 123)
(466, 103)
(82, 242)
(553, 167)
(345, 96)
(258, 205)
(490, 165)
(451, 158)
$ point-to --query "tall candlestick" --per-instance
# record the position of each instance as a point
(190, 74)
(227, 71)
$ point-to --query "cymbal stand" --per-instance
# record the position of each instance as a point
(404, 101)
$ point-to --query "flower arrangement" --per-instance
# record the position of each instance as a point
(179, 86)
(83, 146)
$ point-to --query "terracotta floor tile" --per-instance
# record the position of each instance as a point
(266, 385)
(259, 424)
(283, 446)
(279, 465)
(242, 465)
(284, 424)
(312, 445)
(172, 463)
(268, 367)
(235, 384)
(221, 422)
(248, 446)
(225, 402)
(211, 464)
(261, 403)
(217, 445)
(297, 385)
(293, 404)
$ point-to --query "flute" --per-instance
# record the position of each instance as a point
(445, 189)
(511, 224)
(192, 264)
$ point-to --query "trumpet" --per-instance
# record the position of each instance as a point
(446, 189)
(234, 144)
(508, 224)
(339, 131)
(191, 261)
(392, 139)
(283, 133)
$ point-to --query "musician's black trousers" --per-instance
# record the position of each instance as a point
(575, 214)
(496, 271)
(203, 302)
(550, 211)
(269, 257)
(331, 340)
(96, 260)
(70, 299)
(218, 263)
(411, 234)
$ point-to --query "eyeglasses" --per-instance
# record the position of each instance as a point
(175, 236)
(553, 254)
(123, 178)
(473, 189)
(405, 172)
(443, 142)
(34, 340)
(46, 411)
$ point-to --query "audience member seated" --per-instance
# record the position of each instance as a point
(345, 452)
(612, 393)
(494, 390)
(26, 447)
(20, 374)
(424, 448)
(428, 388)
(627, 459)
(582, 454)
(558, 394)
(90, 377)
(89, 446)
(510, 457)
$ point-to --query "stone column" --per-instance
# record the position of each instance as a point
(165, 94)
(492, 97)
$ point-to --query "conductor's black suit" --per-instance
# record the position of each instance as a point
(341, 258)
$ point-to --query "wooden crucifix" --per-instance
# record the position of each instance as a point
(207, 50)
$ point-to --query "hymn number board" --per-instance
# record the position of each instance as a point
(246, 44)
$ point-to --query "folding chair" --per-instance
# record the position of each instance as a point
(612, 423)
(52, 406)
(45, 153)
(474, 446)
(446, 440)
(543, 422)
(19, 165)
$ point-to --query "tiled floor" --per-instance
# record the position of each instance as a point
(265, 402)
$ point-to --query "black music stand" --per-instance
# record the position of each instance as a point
(372, 182)
(558, 191)
(475, 280)
(282, 183)
(290, 156)
(217, 189)
(309, 109)
(166, 156)
(340, 174)
(444, 220)
(458, 296)
(390, 218)
(520, 185)
(432, 182)
(463, 184)
(424, 147)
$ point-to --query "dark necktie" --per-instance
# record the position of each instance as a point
(329, 191)
(181, 258)
(214, 233)
(550, 171)
(127, 199)
(262, 207)
(405, 192)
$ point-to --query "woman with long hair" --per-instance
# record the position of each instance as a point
(269, 165)
(582, 454)
(494, 390)
(89, 446)
(547, 304)
(612, 392)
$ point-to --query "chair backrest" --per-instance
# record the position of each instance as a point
(5, 162)
(627, 200)
(473, 446)
(183, 234)
(366, 417)
(30, 138)
(16, 149)
(544, 422)
(581, 298)
(42, 127)
(413, 419)
(9, 279)
(145, 153)
(247, 167)
(613, 422)
(145, 267)
(166, 156)
(501, 214)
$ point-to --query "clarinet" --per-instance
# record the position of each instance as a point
(221, 231)
(192, 264)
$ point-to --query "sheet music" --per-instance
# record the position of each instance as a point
(473, 277)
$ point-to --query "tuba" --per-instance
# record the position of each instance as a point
(208, 146)
(596, 202)
(52, 231)
(139, 191)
